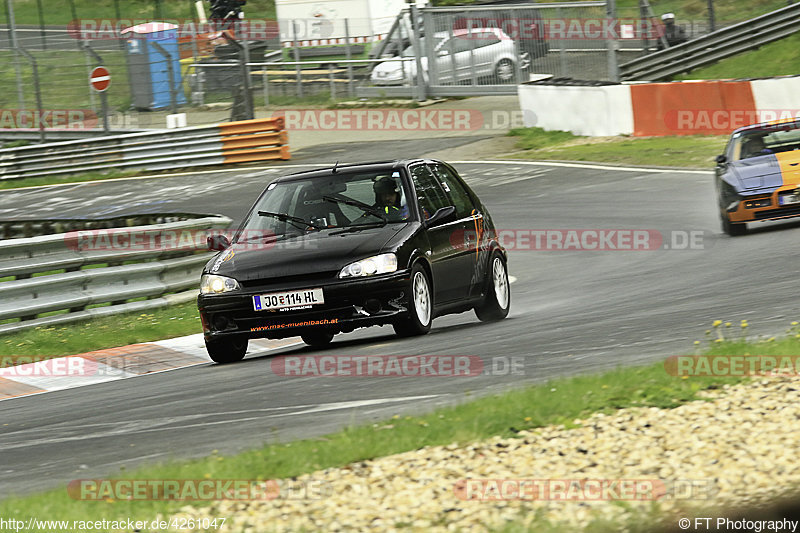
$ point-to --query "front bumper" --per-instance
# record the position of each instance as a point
(765, 206)
(349, 304)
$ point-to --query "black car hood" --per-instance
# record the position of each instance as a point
(757, 172)
(317, 251)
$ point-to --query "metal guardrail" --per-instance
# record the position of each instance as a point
(158, 262)
(226, 143)
(714, 46)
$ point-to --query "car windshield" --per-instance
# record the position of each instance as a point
(341, 200)
(410, 51)
(768, 141)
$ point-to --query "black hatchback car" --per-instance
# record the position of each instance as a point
(327, 251)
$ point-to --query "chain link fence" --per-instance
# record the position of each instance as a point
(45, 68)
(434, 52)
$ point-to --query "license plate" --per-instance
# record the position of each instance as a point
(288, 300)
(786, 199)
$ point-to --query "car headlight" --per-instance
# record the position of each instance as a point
(377, 264)
(213, 284)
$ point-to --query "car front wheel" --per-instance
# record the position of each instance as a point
(317, 339)
(225, 351)
(419, 316)
(497, 301)
(734, 230)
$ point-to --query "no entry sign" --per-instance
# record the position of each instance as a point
(100, 79)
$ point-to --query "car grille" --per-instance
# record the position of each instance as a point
(775, 213)
(292, 281)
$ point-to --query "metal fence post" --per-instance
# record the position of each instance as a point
(12, 33)
(37, 89)
(473, 75)
(251, 110)
(265, 82)
(88, 72)
(517, 53)
(41, 24)
(562, 52)
(75, 17)
(451, 51)
(712, 24)
(298, 74)
(159, 11)
(244, 55)
(8, 18)
(612, 42)
(422, 94)
(330, 79)
(350, 91)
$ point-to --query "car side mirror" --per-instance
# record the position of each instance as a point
(721, 159)
(441, 215)
(217, 242)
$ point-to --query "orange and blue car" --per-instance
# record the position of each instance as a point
(758, 175)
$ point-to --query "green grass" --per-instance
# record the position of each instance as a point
(724, 10)
(52, 180)
(780, 58)
(99, 333)
(64, 75)
(559, 401)
(679, 151)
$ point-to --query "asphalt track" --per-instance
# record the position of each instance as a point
(572, 312)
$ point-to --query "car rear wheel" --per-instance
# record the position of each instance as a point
(734, 230)
(225, 351)
(504, 70)
(497, 301)
(420, 305)
(317, 339)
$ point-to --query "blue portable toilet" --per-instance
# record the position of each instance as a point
(149, 68)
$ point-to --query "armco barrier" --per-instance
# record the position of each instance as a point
(221, 144)
(162, 274)
(714, 46)
(709, 107)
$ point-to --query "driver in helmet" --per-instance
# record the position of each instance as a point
(387, 199)
(754, 147)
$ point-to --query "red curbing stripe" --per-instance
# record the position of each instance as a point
(657, 107)
(12, 389)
